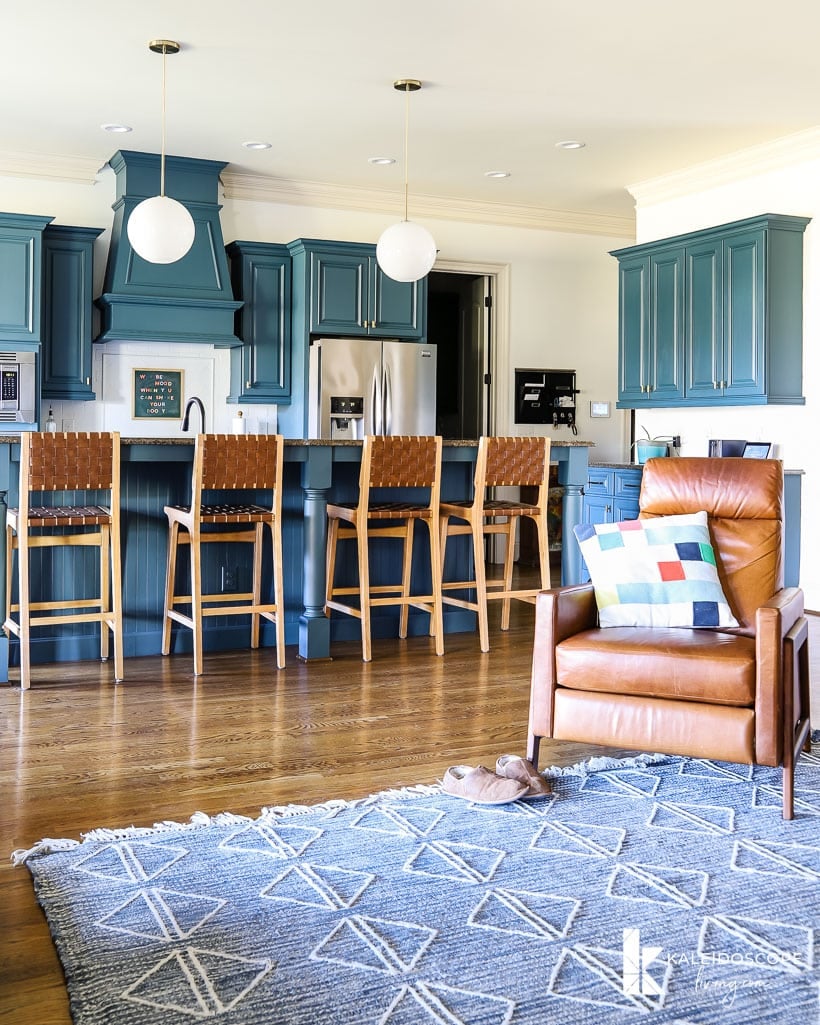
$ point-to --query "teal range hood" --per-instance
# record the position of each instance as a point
(187, 301)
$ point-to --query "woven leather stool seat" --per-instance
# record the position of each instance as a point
(228, 462)
(52, 464)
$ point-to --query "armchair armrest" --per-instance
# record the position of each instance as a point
(559, 613)
(773, 621)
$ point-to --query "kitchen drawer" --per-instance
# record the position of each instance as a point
(599, 481)
(628, 484)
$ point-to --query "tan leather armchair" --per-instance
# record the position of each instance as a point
(738, 695)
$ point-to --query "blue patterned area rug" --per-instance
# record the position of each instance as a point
(655, 890)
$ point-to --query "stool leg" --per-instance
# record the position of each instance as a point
(279, 591)
(170, 572)
(406, 567)
(480, 575)
(116, 584)
(543, 551)
(509, 557)
(330, 565)
(9, 570)
(437, 619)
(24, 602)
(257, 582)
(196, 601)
(105, 587)
(364, 587)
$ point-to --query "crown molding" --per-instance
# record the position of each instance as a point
(798, 148)
(260, 188)
(44, 166)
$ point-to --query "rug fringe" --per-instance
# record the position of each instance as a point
(337, 804)
(45, 846)
(603, 763)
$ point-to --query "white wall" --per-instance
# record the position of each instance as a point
(793, 429)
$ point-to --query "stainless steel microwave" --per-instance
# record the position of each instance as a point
(17, 387)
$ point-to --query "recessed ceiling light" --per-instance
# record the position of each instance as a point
(570, 144)
(111, 127)
(380, 161)
(256, 145)
(496, 174)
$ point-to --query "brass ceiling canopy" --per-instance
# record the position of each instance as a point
(407, 85)
(164, 46)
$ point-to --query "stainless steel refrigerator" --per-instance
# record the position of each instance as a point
(362, 386)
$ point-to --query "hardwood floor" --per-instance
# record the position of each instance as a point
(78, 752)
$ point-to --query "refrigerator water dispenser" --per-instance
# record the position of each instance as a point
(346, 417)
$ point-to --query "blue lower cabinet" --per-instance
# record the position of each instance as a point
(611, 496)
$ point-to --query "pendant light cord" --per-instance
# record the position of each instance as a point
(406, 143)
(162, 151)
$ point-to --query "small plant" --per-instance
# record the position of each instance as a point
(649, 447)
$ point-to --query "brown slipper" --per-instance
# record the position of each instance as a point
(481, 786)
(519, 769)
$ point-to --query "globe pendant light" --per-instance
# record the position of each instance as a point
(160, 229)
(406, 251)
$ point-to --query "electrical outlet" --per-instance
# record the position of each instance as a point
(228, 579)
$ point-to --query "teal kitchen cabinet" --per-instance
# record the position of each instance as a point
(714, 317)
(651, 328)
(21, 273)
(261, 279)
(68, 283)
(350, 295)
(612, 494)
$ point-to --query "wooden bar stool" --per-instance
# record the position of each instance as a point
(228, 462)
(389, 462)
(54, 464)
(501, 462)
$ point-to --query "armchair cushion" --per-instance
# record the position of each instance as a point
(658, 572)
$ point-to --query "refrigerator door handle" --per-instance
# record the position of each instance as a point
(387, 401)
(376, 403)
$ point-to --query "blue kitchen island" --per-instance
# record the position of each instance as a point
(156, 472)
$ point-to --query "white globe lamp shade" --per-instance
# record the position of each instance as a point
(406, 251)
(161, 230)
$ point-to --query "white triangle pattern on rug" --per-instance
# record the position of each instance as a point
(539, 915)
(395, 820)
(204, 982)
(283, 840)
(579, 839)
(594, 975)
(319, 886)
(375, 944)
(692, 818)
(464, 862)
(778, 859)
(424, 1003)
(778, 946)
(658, 884)
(162, 914)
(631, 783)
(130, 862)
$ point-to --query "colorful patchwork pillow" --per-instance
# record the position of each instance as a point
(655, 572)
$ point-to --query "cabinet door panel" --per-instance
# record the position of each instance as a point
(340, 293)
(633, 313)
(704, 330)
(397, 307)
(745, 285)
(666, 343)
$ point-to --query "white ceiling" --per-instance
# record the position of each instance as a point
(651, 87)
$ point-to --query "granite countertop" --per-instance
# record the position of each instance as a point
(11, 439)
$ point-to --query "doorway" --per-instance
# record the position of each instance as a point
(459, 323)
